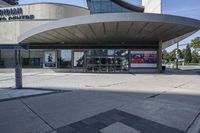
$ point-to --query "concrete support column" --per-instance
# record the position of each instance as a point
(18, 70)
(0, 54)
(160, 57)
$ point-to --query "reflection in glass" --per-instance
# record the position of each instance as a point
(78, 59)
(32, 58)
(111, 52)
(109, 60)
(97, 6)
(116, 8)
(93, 52)
(66, 59)
(31, 63)
(103, 52)
(105, 6)
(121, 52)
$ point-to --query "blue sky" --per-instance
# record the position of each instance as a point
(187, 8)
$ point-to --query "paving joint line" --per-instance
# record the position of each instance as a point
(34, 112)
(153, 96)
(28, 96)
(46, 79)
(114, 84)
(181, 85)
(161, 93)
(193, 122)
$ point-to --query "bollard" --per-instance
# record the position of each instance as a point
(18, 76)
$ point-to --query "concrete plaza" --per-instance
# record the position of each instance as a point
(103, 103)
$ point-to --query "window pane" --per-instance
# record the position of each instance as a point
(116, 8)
(121, 52)
(66, 55)
(78, 59)
(97, 6)
(106, 6)
(111, 52)
(66, 58)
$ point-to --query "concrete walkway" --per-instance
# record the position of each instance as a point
(141, 103)
(9, 94)
(92, 110)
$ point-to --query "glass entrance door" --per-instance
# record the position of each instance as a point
(106, 60)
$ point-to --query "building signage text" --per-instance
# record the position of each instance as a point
(14, 14)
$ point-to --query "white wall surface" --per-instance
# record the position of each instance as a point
(152, 6)
(9, 31)
(43, 12)
(51, 10)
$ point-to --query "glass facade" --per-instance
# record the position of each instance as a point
(90, 60)
(7, 58)
(32, 58)
(65, 60)
(78, 59)
(50, 59)
(106, 60)
(105, 6)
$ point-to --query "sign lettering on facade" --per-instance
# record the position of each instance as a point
(14, 14)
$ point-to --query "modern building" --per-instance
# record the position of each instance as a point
(108, 36)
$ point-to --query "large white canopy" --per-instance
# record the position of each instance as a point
(113, 28)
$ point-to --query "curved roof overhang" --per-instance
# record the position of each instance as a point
(130, 6)
(113, 28)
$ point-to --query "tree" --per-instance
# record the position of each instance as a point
(183, 52)
(196, 40)
(165, 56)
(195, 57)
(172, 55)
(196, 43)
(180, 53)
(188, 55)
(12, 2)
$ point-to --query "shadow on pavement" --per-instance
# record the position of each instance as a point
(95, 111)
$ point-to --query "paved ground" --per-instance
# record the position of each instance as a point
(105, 103)
(9, 94)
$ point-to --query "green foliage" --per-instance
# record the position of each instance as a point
(172, 54)
(196, 43)
(188, 55)
(165, 56)
(180, 53)
(12, 2)
(195, 57)
(196, 40)
(183, 52)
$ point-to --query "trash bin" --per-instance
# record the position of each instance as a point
(163, 68)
